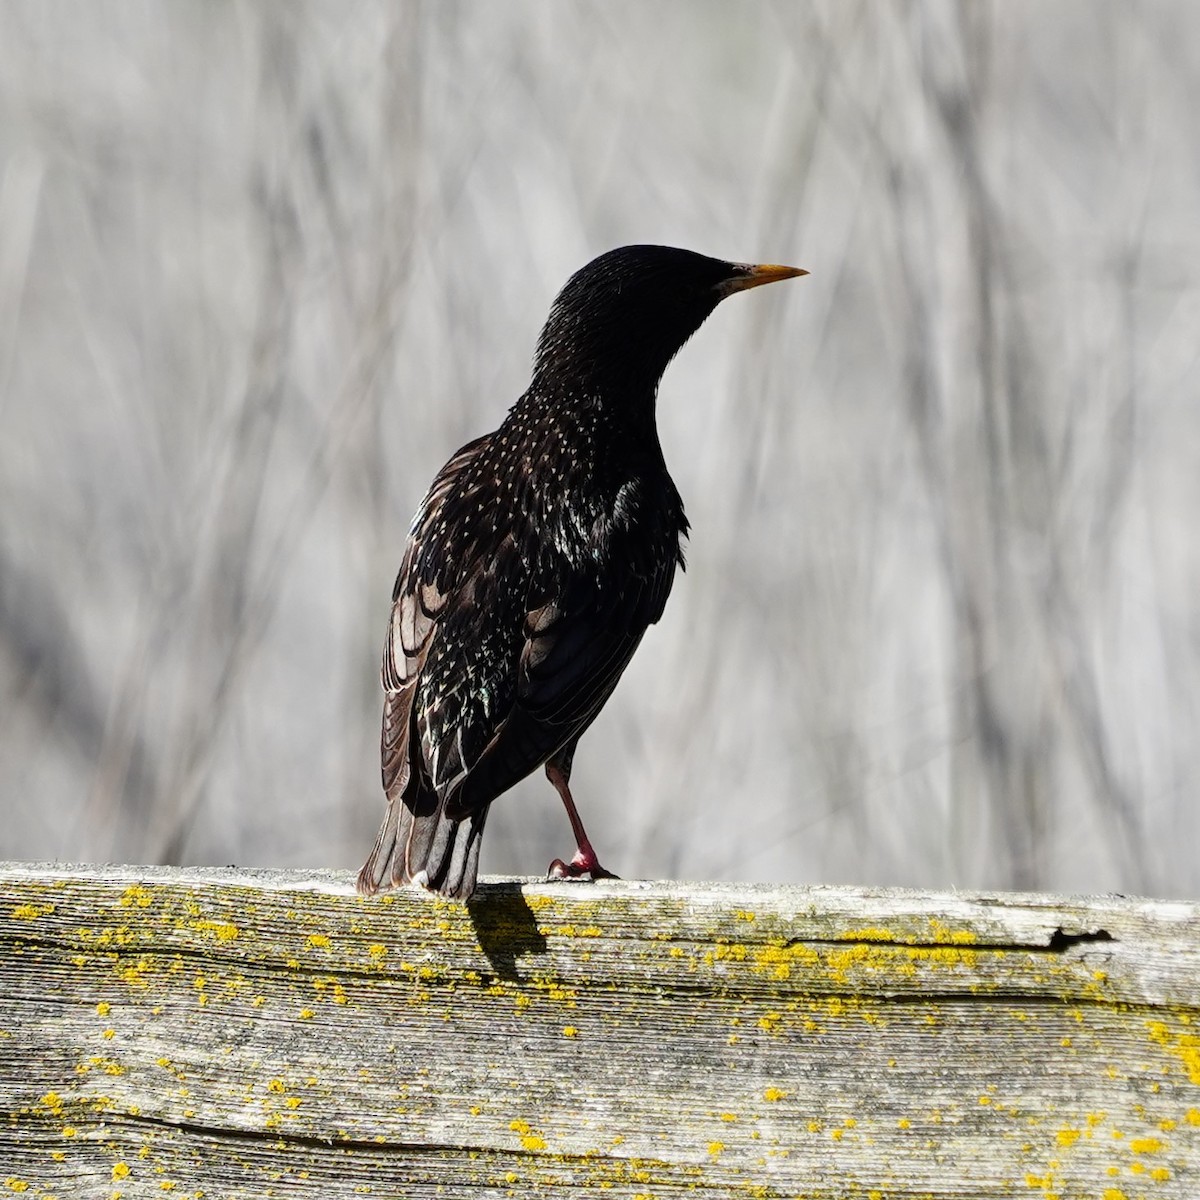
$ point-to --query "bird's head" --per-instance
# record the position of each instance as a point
(620, 320)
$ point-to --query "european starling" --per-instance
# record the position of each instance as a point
(534, 565)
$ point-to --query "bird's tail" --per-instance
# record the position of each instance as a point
(419, 843)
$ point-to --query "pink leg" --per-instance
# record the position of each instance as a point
(585, 861)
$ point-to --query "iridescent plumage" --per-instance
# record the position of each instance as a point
(536, 562)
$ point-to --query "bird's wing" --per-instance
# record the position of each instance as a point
(419, 602)
(573, 653)
(489, 669)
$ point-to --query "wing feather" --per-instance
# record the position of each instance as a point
(496, 660)
(574, 652)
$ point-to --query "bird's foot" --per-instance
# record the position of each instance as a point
(585, 862)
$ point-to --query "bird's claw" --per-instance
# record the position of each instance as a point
(581, 865)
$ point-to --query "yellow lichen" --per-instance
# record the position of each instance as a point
(221, 931)
(944, 956)
(530, 1139)
(943, 933)
(778, 959)
(1183, 1046)
(576, 931)
(30, 912)
(869, 934)
(1150, 1145)
(726, 951)
(135, 975)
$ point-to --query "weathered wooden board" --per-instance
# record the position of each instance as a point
(226, 1033)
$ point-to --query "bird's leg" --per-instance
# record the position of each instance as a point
(585, 861)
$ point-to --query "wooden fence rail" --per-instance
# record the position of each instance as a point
(226, 1033)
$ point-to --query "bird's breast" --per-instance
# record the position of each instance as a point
(593, 496)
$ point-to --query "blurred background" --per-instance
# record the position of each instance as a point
(264, 266)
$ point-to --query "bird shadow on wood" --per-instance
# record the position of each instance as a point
(505, 926)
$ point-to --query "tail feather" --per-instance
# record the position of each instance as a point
(419, 843)
(424, 837)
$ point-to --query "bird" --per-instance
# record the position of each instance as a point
(537, 560)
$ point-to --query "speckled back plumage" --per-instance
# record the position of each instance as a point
(534, 565)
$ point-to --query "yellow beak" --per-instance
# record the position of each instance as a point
(756, 276)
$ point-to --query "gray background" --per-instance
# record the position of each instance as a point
(264, 266)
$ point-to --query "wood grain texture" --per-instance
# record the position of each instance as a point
(226, 1033)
